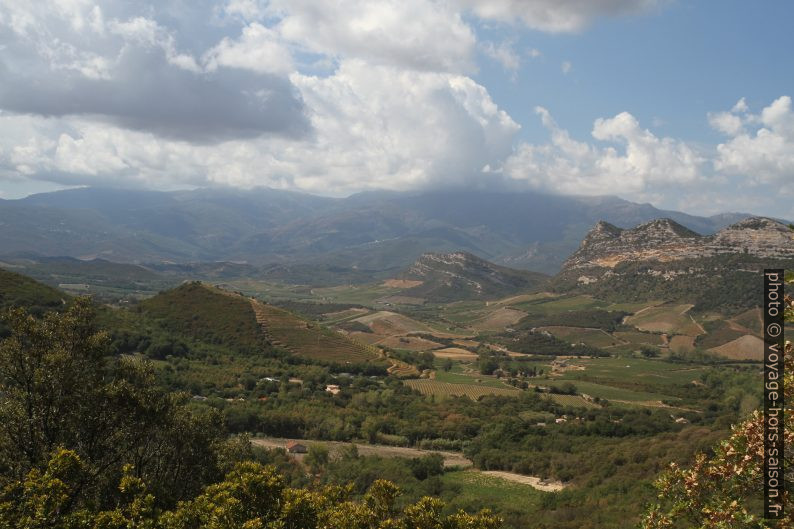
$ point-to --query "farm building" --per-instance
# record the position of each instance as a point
(294, 447)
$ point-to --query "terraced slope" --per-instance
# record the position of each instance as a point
(287, 331)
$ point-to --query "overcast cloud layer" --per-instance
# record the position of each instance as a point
(337, 97)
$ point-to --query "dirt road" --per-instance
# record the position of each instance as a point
(451, 459)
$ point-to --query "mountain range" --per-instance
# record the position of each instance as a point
(662, 259)
(606, 245)
(366, 231)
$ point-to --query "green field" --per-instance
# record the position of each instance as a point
(610, 392)
(639, 338)
(556, 305)
(594, 337)
(631, 379)
(656, 371)
(478, 490)
(459, 377)
(445, 389)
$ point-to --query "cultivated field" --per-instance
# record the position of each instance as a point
(388, 323)
(446, 389)
(455, 353)
(682, 344)
(412, 343)
(747, 347)
(640, 338)
(594, 337)
(304, 338)
(608, 392)
(673, 319)
(750, 321)
(342, 315)
(498, 320)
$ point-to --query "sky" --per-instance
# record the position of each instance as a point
(682, 104)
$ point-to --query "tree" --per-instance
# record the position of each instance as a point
(649, 352)
(251, 496)
(317, 458)
(59, 389)
(488, 365)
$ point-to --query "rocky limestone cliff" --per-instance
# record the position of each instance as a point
(605, 246)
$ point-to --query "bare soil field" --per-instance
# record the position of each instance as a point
(498, 320)
(412, 343)
(455, 353)
(540, 484)
(388, 323)
(673, 319)
(747, 347)
(467, 343)
(682, 344)
(347, 313)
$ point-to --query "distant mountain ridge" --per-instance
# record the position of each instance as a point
(368, 231)
(462, 275)
(606, 245)
(662, 259)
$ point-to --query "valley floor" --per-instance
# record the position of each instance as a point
(452, 460)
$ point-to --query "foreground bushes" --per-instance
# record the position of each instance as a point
(251, 496)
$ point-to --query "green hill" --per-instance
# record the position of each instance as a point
(204, 313)
(460, 275)
(17, 290)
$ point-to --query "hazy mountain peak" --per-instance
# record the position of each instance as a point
(664, 228)
(462, 275)
(758, 223)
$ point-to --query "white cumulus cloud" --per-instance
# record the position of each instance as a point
(636, 163)
(414, 34)
(761, 146)
(556, 15)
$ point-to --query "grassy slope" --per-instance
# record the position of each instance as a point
(207, 314)
(21, 291)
